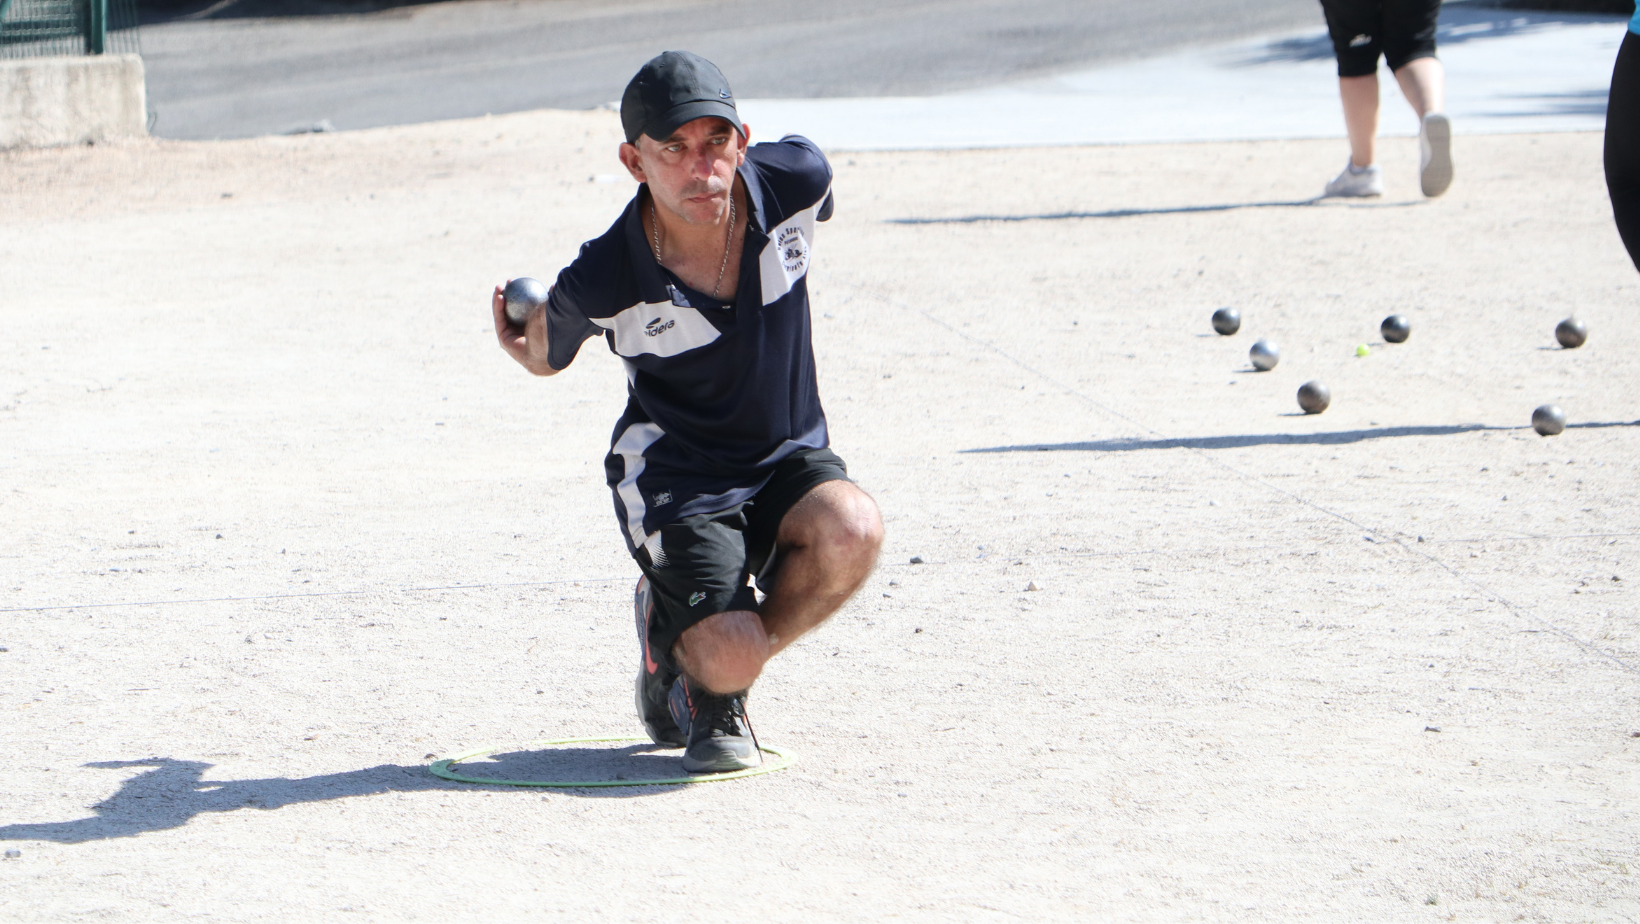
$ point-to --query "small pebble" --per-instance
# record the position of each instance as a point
(1032, 586)
(13, 854)
(1431, 728)
(916, 559)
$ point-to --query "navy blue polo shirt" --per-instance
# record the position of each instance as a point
(717, 392)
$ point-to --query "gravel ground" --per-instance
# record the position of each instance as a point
(282, 526)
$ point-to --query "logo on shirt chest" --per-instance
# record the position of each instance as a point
(657, 327)
(794, 250)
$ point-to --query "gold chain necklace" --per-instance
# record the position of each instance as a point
(728, 237)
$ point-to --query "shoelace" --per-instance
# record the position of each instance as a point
(728, 719)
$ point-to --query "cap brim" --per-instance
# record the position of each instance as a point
(663, 126)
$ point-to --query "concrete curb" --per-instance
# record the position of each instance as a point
(69, 100)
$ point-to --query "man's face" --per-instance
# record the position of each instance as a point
(692, 171)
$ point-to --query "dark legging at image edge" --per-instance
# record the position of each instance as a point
(1623, 144)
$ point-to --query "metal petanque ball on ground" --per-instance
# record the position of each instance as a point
(1227, 321)
(523, 296)
(1314, 397)
(1548, 420)
(1264, 355)
(1571, 333)
(1396, 329)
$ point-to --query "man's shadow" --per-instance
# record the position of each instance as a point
(172, 792)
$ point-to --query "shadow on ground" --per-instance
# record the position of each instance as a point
(1460, 23)
(1175, 210)
(1333, 438)
(172, 792)
(1584, 103)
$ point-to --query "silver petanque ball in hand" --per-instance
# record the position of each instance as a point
(1571, 333)
(1548, 420)
(1226, 321)
(1264, 355)
(1314, 397)
(523, 295)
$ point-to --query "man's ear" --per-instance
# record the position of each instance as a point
(632, 161)
(743, 138)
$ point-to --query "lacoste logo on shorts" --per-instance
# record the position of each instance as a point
(663, 498)
(1360, 40)
(696, 597)
(655, 327)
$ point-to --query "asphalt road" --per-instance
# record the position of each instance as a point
(238, 77)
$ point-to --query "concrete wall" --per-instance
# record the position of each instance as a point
(69, 100)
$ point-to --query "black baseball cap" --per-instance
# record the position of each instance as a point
(673, 88)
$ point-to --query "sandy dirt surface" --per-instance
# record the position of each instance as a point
(281, 525)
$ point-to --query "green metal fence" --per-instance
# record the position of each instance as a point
(34, 28)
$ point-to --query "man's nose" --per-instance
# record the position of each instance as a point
(703, 164)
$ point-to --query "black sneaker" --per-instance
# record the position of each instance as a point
(720, 735)
(654, 681)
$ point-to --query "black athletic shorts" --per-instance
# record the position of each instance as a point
(707, 562)
(1361, 30)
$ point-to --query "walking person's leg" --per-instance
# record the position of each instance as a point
(1353, 26)
(1423, 83)
(1360, 98)
(1409, 50)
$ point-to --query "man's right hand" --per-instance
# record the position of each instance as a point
(527, 344)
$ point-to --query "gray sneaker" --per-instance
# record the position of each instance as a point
(719, 733)
(1369, 182)
(1435, 154)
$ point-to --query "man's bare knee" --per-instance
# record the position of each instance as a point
(836, 519)
(726, 652)
(849, 535)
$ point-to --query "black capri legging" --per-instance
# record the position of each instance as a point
(1623, 144)
(1361, 30)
